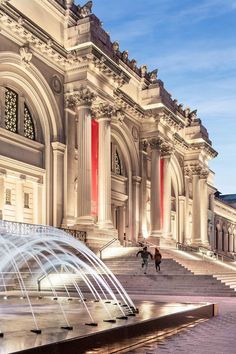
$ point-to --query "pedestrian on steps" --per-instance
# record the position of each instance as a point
(157, 258)
(144, 255)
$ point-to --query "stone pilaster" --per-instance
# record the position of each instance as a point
(187, 231)
(167, 151)
(155, 145)
(143, 232)
(2, 189)
(58, 182)
(20, 198)
(81, 102)
(196, 220)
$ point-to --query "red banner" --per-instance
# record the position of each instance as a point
(95, 142)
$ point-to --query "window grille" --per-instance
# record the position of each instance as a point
(8, 196)
(117, 164)
(28, 124)
(11, 110)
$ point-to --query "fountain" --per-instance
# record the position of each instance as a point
(46, 259)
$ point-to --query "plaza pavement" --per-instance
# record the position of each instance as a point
(215, 336)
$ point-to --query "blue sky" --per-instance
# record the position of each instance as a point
(193, 45)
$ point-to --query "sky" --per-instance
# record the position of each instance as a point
(193, 45)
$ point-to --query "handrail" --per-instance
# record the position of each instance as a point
(205, 251)
(106, 245)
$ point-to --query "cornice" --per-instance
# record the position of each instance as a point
(127, 104)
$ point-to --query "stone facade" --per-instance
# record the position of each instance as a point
(91, 141)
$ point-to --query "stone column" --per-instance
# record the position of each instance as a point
(196, 220)
(166, 155)
(135, 208)
(58, 182)
(143, 233)
(69, 199)
(204, 207)
(187, 238)
(104, 113)
(181, 219)
(155, 144)
(81, 101)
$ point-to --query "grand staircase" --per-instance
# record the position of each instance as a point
(182, 273)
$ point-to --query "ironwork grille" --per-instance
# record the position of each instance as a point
(29, 131)
(117, 164)
(11, 110)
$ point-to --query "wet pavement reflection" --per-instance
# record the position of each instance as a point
(16, 319)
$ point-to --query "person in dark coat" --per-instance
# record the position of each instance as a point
(157, 259)
(144, 255)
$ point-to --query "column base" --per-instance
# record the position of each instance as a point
(199, 243)
(86, 220)
(167, 241)
(68, 221)
(106, 224)
(155, 238)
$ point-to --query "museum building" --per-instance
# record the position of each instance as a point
(91, 141)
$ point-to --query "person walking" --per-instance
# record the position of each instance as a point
(144, 255)
(157, 259)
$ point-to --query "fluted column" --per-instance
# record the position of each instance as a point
(196, 220)
(104, 113)
(2, 188)
(81, 101)
(143, 191)
(135, 208)
(166, 155)
(155, 145)
(204, 207)
(70, 200)
(187, 231)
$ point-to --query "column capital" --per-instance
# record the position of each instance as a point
(109, 112)
(144, 145)
(195, 168)
(167, 150)
(204, 173)
(81, 97)
(155, 143)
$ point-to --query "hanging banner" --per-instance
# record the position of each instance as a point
(94, 189)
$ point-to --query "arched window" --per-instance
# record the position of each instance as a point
(14, 121)
(11, 110)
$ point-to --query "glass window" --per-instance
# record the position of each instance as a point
(8, 196)
(26, 200)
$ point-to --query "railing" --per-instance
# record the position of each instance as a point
(20, 228)
(109, 243)
(185, 247)
(77, 234)
(205, 252)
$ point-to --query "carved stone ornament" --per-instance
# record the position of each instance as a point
(26, 55)
(153, 76)
(167, 149)
(135, 133)
(133, 64)
(144, 145)
(79, 98)
(155, 143)
(125, 55)
(143, 70)
(196, 168)
(204, 173)
(103, 110)
(193, 114)
(116, 46)
(86, 10)
(56, 84)
(187, 171)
